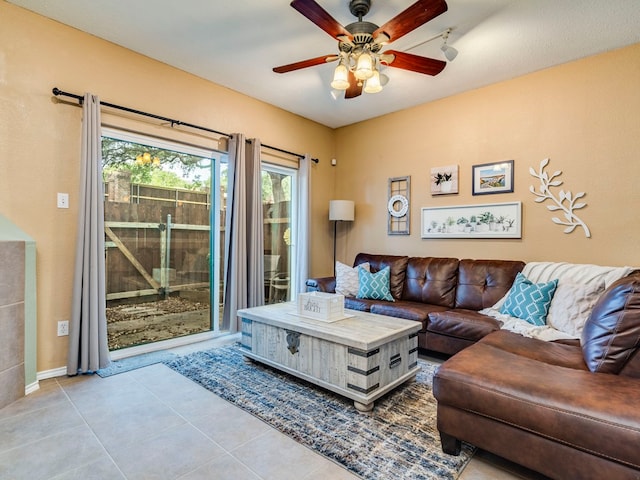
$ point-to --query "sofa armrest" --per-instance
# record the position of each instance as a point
(321, 284)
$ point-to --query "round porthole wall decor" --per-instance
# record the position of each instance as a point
(398, 211)
(398, 206)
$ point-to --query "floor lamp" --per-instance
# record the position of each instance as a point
(339, 211)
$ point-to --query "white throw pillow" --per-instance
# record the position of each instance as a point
(572, 305)
(347, 282)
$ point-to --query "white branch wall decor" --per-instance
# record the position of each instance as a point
(565, 201)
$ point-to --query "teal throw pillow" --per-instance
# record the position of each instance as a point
(529, 301)
(374, 286)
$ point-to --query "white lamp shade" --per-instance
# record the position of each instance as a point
(340, 78)
(342, 210)
(372, 84)
(449, 52)
(364, 67)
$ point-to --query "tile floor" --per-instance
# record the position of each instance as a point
(153, 423)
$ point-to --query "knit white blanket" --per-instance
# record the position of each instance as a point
(579, 287)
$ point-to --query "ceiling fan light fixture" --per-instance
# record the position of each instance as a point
(373, 85)
(340, 77)
(449, 52)
(364, 67)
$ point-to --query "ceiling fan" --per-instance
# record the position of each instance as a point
(360, 44)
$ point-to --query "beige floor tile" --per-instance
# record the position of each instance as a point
(274, 456)
(126, 424)
(33, 426)
(49, 396)
(174, 452)
(106, 401)
(224, 468)
(52, 455)
(102, 469)
(169, 385)
(230, 427)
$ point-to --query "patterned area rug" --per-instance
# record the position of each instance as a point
(398, 439)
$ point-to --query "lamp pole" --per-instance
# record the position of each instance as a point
(339, 210)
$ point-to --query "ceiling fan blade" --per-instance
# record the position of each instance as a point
(417, 14)
(355, 87)
(319, 16)
(415, 63)
(312, 62)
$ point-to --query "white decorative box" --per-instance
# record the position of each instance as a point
(328, 307)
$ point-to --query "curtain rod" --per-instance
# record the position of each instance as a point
(56, 91)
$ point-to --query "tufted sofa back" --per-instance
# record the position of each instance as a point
(481, 283)
(446, 282)
(431, 280)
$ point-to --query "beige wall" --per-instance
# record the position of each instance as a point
(583, 115)
(40, 140)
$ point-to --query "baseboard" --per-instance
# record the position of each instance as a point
(54, 372)
(32, 387)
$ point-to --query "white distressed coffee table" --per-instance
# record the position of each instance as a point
(361, 357)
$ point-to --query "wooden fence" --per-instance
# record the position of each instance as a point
(158, 239)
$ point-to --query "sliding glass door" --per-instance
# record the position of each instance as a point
(279, 186)
(163, 258)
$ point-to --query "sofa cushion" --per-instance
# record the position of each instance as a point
(374, 285)
(359, 304)
(431, 280)
(611, 335)
(529, 301)
(481, 283)
(409, 310)
(397, 269)
(460, 323)
(553, 353)
(347, 281)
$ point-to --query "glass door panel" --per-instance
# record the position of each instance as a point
(278, 183)
(159, 257)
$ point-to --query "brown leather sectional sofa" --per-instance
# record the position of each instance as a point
(570, 410)
(444, 294)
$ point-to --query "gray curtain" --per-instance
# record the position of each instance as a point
(303, 237)
(88, 348)
(255, 226)
(244, 238)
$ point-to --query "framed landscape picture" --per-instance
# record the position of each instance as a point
(492, 220)
(493, 178)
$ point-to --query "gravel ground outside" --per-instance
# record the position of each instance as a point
(130, 325)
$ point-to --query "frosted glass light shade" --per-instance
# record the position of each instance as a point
(449, 52)
(373, 84)
(364, 67)
(340, 77)
(341, 210)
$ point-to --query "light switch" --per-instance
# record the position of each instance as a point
(63, 200)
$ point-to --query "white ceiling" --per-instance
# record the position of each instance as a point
(236, 43)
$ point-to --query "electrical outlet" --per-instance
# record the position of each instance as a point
(63, 200)
(63, 328)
